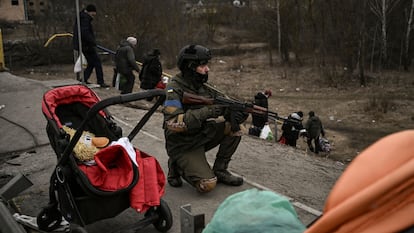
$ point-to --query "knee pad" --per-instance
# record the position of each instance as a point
(206, 185)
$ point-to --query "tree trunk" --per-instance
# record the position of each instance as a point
(407, 38)
(384, 33)
(299, 33)
(361, 52)
(279, 32)
(374, 41)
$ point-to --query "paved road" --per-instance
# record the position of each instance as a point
(23, 127)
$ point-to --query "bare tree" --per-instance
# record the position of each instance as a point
(382, 8)
(279, 32)
(407, 37)
(361, 50)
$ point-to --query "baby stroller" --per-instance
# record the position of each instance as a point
(84, 194)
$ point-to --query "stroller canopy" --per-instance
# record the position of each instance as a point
(67, 95)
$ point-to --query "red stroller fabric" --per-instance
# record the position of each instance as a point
(67, 95)
(151, 183)
(113, 171)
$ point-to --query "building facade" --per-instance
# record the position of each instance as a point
(21, 10)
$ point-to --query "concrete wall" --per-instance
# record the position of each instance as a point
(12, 12)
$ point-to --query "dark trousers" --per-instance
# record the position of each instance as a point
(314, 141)
(93, 62)
(129, 84)
(291, 141)
(193, 165)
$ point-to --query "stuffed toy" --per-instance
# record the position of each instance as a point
(87, 146)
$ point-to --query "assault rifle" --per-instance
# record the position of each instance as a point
(232, 104)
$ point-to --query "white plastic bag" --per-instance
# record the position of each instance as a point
(266, 133)
(118, 76)
(78, 68)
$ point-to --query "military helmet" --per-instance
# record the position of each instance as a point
(191, 56)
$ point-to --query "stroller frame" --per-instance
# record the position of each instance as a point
(71, 195)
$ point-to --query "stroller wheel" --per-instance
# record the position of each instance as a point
(165, 219)
(49, 218)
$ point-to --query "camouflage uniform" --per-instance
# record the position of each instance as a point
(190, 131)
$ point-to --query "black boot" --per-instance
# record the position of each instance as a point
(173, 178)
(224, 176)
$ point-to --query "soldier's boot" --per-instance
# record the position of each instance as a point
(173, 177)
(223, 175)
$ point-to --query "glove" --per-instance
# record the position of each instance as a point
(236, 118)
(240, 117)
(211, 111)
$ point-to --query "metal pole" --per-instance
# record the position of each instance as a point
(2, 64)
(79, 39)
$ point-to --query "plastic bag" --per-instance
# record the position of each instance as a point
(266, 133)
(78, 68)
(324, 144)
(120, 81)
(253, 210)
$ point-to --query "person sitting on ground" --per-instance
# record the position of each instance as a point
(192, 129)
(314, 129)
(125, 64)
(258, 120)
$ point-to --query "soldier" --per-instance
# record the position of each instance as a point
(191, 130)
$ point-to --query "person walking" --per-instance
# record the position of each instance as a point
(151, 72)
(88, 45)
(125, 64)
(314, 129)
(191, 130)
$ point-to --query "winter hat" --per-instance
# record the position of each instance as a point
(91, 8)
(268, 92)
(132, 40)
(311, 113)
(296, 116)
(156, 52)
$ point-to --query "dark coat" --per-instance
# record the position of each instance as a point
(314, 127)
(125, 58)
(291, 129)
(151, 72)
(87, 33)
(260, 99)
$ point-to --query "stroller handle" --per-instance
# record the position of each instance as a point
(114, 101)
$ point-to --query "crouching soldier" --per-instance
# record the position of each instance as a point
(191, 130)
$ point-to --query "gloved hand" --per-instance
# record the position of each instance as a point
(240, 117)
(211, 111)
(236, 118)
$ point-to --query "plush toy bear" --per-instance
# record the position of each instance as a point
(88, 144)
